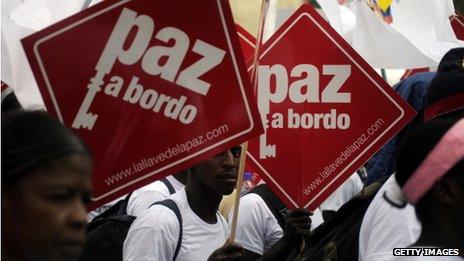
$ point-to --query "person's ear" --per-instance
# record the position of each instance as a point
(448, 191)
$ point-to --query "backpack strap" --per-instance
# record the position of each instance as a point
(168, 185)
(169, 203)
(277, 207)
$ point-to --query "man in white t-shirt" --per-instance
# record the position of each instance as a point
(154, 234)
(259, 232)
(385, 227)
(143, 197)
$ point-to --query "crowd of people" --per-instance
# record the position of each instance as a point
(412, 196)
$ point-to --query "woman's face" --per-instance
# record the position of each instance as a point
(44, 216)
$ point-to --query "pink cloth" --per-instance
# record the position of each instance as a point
(448, 152)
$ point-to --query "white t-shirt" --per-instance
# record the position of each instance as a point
(257, 228)
(385, 227)
(352, 186)
(154, 234)
(143, 197)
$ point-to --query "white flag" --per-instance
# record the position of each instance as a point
(20, 19)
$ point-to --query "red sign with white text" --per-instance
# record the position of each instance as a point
(325, 111)
(457, 22)
(152, 87)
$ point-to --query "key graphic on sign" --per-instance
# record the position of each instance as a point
(265, 150)
(84, 118)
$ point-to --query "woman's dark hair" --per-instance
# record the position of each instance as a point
(417, 144)
(31, 139)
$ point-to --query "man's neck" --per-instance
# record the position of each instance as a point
(203, 201)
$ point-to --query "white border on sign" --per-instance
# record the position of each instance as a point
(237, 72)
(365, 73)
(245, 39)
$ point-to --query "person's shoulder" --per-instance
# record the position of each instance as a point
(156, 216)
(157, 229)
(250, 204)
(156, 186)
(142, 198)
(253, 205)
(253, 201)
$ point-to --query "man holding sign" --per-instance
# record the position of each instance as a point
(155, 234)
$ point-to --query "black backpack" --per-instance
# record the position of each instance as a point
(277, 207)
(338, 238)
(106, 233)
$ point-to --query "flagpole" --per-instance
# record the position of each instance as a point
(238, 191)
(254, 79)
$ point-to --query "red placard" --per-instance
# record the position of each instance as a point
(457, 22)
(151, 86)
(326, 111)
